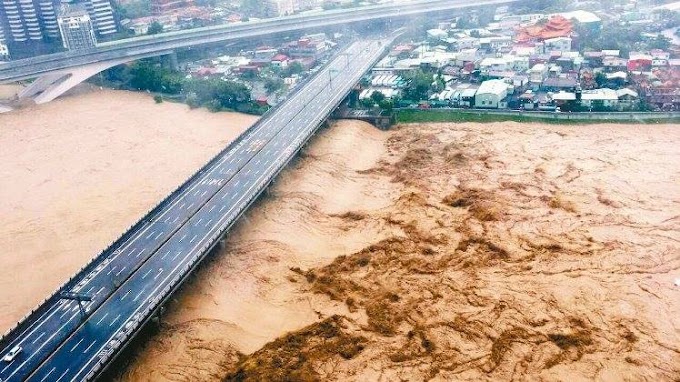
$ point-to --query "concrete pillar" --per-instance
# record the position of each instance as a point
(170, 61)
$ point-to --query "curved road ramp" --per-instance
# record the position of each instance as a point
(75, 333)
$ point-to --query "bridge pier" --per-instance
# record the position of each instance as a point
(170, 61)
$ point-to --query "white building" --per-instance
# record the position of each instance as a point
(491, 94)
(537, 73)
(493, 64)
(285, 7)
(605, 97)
(559, 44)
(4, 51)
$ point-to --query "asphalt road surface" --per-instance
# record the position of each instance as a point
(61, 344)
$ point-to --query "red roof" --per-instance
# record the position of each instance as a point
(280, 57)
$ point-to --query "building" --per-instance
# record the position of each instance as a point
(75, 27)
(558, 44)
(284, 7)
(537, 73)
(599, 98)
(101, 14)
(491, 94)
(28, 25)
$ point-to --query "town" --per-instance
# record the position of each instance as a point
(548, 56)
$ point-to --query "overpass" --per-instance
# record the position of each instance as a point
(59, 72)
(77, 332)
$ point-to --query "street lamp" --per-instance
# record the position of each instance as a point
(330, 76)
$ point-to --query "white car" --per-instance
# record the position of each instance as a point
(9, 357)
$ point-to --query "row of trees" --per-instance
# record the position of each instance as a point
(213, 93)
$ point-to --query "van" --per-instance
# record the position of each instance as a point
(9, 357)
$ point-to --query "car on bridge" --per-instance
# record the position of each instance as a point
(12, 354)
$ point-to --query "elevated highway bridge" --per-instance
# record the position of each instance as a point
(57, 73)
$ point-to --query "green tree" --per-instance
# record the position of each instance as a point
(377, 97)
(155, 28)
(419, 85)
(600, 79)
(292, 68)
(257, 8)
(273, 84)
(386, 105)
(660, 42)
(367, 103)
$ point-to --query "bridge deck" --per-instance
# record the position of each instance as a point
(133, 277)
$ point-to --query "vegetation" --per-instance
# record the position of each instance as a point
(419, 84)
(420, 116)
(155, 28)
(213, 93)
(133, 9)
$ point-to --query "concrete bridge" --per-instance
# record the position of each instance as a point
(57, 73)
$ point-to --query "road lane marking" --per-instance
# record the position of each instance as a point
(120, 271)
(147, 237)
(126, 294)
(114, 320)
(48, 374)
(160, 270)
(76, 345)
(192, 239)
(183, 237)
(8, 365)
(38, 338)
(139, 294)
(62, 375)
(208, 223)
(177, 254)
(166, 254)
(102, 319)
(155, 238)
(89, 347)
(146, 274)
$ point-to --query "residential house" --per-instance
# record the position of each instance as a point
(556, 84)
(559, 44)
(491, 94)
(537, 74)
(628, 99)
(614, 64)
(598, 98)
(639, 62)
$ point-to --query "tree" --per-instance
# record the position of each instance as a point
(273, 84)
(292, 68)
(386, 105)
(660, 42)
(257, 8)
(600, 79)
(367, 103)
(377, 97)
(155, 28)
(419, 85)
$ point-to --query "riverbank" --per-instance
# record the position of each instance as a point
(78, 171)
(488, 116)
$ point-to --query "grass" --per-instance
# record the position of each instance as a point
(421, 116)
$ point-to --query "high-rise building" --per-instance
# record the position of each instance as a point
(75, 27)
(29, 25)
(101, 14)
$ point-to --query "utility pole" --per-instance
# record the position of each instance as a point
(330, 76)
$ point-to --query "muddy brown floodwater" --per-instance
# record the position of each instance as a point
(77, 172)
(444, 252)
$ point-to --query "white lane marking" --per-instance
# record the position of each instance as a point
(233, 196)
(8, 365)
(148, 237)
(147, 273)
(89, 347)
(183, 237)
(160, 270)
(212, 208)
(125, 295)
(208, 223)
(76, 345)
(37, 338)
(166, 254)
(139, 294)
(99, 291)
(177, 254)
(199, 221)
(90, 290)
(102, 319)
(155, 238)
(192, 239)
(223, 207)
(182, 206)
(62, 375)
(48, 374)
(111, 270)
(114, 320)
(120, 271)
(204, 192)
